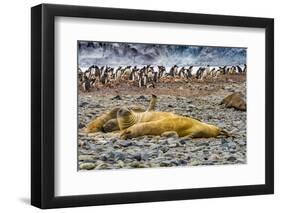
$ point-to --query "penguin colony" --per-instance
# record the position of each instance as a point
(148, 76)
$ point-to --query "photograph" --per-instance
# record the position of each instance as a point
(148, 105)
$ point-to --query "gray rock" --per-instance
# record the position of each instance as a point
(126, 143)
(142, 98)
(241, 143)
(137, 156)
(232, 145)
(101, 165)
(202, 144)
(80, 126)
(224, 142)
(182, 162)
(164, 149)
(86, 158)
(231, 158)
(141, 156)
(113, 140)
(215, 157)
(117, 97)
(104, 157)
(120, 164)
(83, 104)
(119, 156)
(165, 163)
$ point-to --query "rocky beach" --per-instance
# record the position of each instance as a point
(200, 100)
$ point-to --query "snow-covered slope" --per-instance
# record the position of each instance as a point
(114, 54)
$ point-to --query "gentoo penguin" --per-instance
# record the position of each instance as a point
(86, 84)
(118, 73)
(132, 76)
(205, 73)
(161, 70)
(245, 68)
(104, 77)
(199, 72)
(181, 72)
(155, 77)
(173, 70)
(239, 69)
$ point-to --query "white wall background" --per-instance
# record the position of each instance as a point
(15, 105)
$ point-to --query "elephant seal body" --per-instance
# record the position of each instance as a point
(235, 100)
(135, 124)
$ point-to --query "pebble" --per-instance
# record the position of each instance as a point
(126, 143)
(85, 157)
(231, 158)
(121, 164)
(202, 144)
(101, 166)
(80, 126)
(164, 149)
(215, 157)
(141, 98)
(113, 140)
(241, 143)
(104, 157)
(165, 163)
(87, 166)
(83, 104)
(119, 156)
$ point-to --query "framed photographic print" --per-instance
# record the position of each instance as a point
(139, 106)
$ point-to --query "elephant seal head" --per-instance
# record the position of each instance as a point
(125, 118)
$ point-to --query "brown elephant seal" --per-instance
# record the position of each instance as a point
(107, 122)
(235, 100)
(135, 124)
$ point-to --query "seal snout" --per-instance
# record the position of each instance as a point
(123, 112)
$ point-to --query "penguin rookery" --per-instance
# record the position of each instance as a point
(160, 105)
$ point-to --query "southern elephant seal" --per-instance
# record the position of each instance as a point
(235, 100)
(133, 124)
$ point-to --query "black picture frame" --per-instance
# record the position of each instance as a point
(43, 102)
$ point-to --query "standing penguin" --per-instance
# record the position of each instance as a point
(104, 77)
(86, 85)
(239, 69)
(245, 68)
(161, 71)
